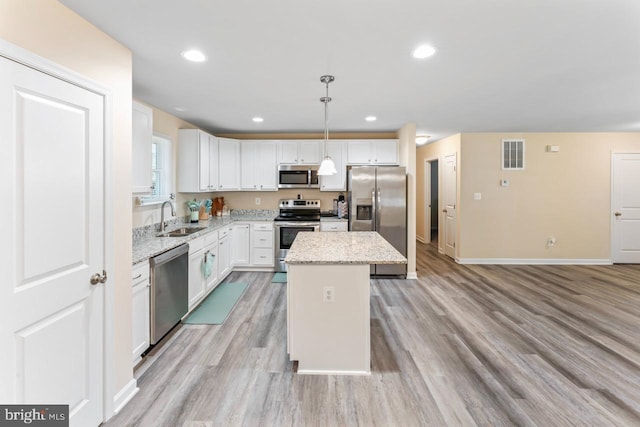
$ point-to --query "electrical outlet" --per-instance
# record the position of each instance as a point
(328, 294)
(551, 241)
(477, 196)
(258, 201)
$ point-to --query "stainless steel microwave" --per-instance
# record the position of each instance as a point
(295, 176)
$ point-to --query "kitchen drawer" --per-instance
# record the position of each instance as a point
(140, 273)
(196, 244)
(224, 232)
(334, 226)
(210, 239)
(262, 256)
(267, 226)
(263, 239)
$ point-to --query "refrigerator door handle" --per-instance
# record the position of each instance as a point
(378, 205)
(374, 210)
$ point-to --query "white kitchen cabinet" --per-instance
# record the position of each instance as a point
(262, 250)
(337, 150)
(300, 152)
(142, 135)
(334, 226)
(228, 164)
(140, 314)
(258, 165)
(197, 285)
(197, 161)
(210, 251)
(240, 237)
(372, 152)
(224, 252)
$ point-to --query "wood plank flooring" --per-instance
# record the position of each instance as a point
(460, 346)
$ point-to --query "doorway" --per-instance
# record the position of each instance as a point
(431, 193)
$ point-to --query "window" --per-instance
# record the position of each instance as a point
(161, 171)
(513, 154)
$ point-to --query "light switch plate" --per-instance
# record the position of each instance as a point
(477, 196)
(504, 182)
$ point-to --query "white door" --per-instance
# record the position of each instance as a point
(51, 180)
(449, 184)
(625, 205)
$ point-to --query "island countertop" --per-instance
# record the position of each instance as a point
(343, 247)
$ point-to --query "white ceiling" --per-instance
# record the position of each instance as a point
(501, 65)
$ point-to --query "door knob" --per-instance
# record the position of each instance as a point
(98, 278)
(618, 214)
(444, 210)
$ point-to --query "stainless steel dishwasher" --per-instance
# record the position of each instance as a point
(169, 290)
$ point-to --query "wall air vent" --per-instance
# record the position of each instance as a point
(513, 154)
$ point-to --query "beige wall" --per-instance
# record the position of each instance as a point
(48, 29)
(566, 195)
(435, 150)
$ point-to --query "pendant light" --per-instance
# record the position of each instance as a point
(326, 167)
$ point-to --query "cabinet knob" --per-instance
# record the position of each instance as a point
(618, 214)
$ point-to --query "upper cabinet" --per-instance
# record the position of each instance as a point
(300, 152)
(197, 161)
(228, 164)
(372, 152)
(141, 149)
(337, 150)
(259, 164)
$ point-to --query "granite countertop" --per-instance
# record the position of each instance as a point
(147, 244)
(343, 247)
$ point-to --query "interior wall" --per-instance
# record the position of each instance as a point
(434, 196)
(49, 29)
(566, 195)
(435, 150)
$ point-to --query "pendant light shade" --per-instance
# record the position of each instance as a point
(326, 167)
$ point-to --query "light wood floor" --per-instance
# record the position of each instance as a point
(462, 345)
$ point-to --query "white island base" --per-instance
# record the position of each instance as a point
(328, 319)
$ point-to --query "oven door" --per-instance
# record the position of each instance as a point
(286, 233)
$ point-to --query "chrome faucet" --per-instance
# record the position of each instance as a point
(162, 221)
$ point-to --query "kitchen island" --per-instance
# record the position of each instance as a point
(328, 292)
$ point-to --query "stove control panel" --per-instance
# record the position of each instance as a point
(299, 204)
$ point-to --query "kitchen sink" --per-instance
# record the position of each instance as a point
(181, 232)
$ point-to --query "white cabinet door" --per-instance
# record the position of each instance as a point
(338, 182)
(359, 152)
(386, 151)
(310, 152)
(196, 279)
(140, 330)
(142, 127)
(228, 164)
(224, 255)
(288, 152)
(267, 166)
(240, 245)
(262, 252)
(211, 253)
(248, 165)
(197, 161)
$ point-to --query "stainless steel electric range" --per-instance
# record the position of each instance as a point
(296, 215)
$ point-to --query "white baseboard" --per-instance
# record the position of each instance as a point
(317, 372)
(125, 395)
(412, 276)
(534, 261)
(420, 239)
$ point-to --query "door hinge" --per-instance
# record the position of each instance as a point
(454, 244)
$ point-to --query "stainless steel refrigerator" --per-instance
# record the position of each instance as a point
(377, 198)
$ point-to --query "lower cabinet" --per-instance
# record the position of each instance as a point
(203, 267)
(140, 304)
(240, 245)
(262, 251)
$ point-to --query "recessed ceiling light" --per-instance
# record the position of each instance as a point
(424, 51)
(258, 119)
(371, 118)
(180, 109)
(422, 139)
(194, 55)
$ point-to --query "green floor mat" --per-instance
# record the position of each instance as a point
(279, 278)
(217, 306)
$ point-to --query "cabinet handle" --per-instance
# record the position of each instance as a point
(137, 277)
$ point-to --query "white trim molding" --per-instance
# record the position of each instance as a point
(534, 261)
(412, 276)
(125, 395)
